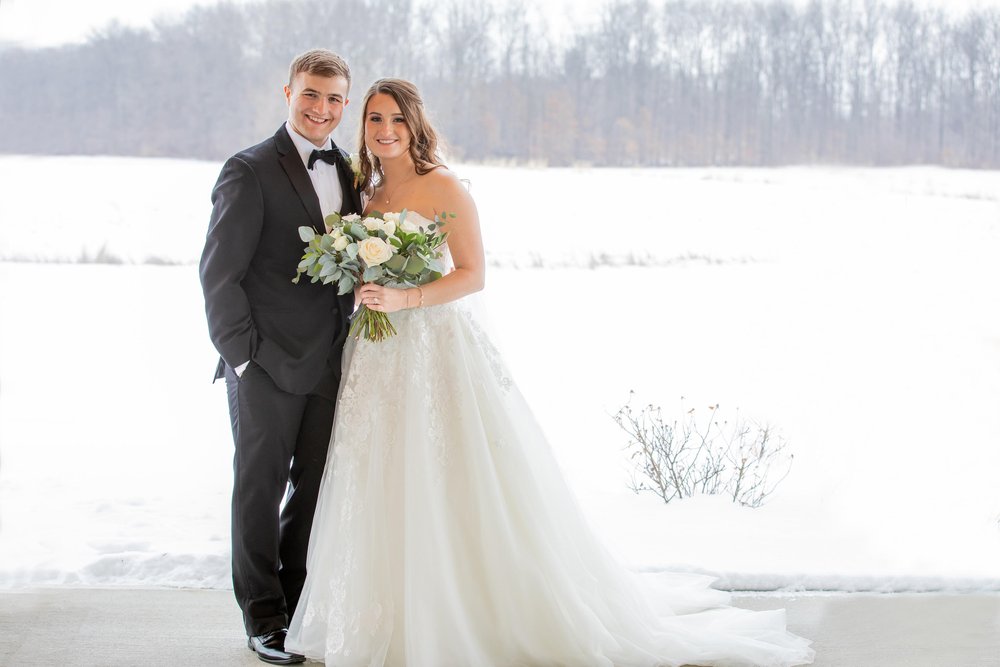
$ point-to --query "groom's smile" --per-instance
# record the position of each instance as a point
(317, 119)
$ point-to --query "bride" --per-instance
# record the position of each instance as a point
(444, 534)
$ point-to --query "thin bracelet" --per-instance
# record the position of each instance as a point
(421, 292)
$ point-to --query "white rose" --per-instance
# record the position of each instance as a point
(353, 217)
(371, 224)
(391, 216)
(410, 227)
(389, 227)
(341, 242)
(374, 251)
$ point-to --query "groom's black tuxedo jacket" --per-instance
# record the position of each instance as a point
(294, 332)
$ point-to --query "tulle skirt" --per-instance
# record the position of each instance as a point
(445, 535)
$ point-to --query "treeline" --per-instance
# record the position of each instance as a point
(686, 82)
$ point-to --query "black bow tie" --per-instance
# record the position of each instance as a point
(329, 156)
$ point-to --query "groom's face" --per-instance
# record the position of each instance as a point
(315, 105)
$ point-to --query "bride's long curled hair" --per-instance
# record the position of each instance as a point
(423, 142)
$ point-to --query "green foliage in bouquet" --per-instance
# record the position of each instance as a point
(381, 248)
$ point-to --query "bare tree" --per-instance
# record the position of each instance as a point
(652, 82)
(687, 456)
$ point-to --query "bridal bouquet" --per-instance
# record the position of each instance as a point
(381, 248)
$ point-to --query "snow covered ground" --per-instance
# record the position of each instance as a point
(856, 309)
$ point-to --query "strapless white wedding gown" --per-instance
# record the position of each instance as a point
(445, 535)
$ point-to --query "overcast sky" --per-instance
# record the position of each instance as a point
(52, 22)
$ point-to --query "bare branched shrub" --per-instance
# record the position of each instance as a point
(740, 458)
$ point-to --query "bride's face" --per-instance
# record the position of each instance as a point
(386, 134)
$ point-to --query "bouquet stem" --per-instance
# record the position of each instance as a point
(375, 325)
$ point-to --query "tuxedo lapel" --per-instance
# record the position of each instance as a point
(351, 197)
(296, 171)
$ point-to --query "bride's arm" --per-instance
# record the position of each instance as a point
(465, 242)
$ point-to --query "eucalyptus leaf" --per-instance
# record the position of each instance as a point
(326, 242)
(332, 220)
(372, 273)
(415, 265)
(352, 250)
(307, 234)
(396, 263)
(346, 285)
(358, 231)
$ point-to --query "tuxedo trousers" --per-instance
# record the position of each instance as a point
(281, 442)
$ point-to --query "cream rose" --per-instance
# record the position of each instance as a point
(374, 251)
(389, 227)
(409, 227)
(391, 216)
(341, 242)
(351, 217)
(371, 224)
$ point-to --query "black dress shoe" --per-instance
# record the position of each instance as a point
(270, 647)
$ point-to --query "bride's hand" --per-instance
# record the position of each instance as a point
(382, 299)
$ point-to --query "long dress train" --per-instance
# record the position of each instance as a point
(445, 535)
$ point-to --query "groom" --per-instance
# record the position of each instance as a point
(280, 343)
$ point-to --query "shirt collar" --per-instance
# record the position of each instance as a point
(303, 145)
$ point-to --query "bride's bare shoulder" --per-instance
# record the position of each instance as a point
(445, 183)
(443, 191)
(442, 178)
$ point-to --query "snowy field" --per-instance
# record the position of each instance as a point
(856, 309)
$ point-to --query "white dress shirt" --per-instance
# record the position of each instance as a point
(325, 182)
(323, 176)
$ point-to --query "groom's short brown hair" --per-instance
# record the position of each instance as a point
(320, 62)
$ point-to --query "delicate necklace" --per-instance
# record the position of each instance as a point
(390, 193)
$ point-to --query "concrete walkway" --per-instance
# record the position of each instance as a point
(130, 627)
